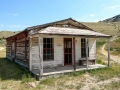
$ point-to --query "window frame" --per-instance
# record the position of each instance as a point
(48, 46)
(83, 48)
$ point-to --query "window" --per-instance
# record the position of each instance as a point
(83, 48)
(48, 49)
(13, 50)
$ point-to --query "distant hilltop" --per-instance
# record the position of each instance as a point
(5, 34)
(112, 19)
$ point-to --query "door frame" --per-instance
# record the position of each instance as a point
(71, 51)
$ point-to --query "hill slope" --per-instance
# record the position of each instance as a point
(5, 34)
(106, 28)
(113, 19)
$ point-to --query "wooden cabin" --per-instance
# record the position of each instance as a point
(53, 45)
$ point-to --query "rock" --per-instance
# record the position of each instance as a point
(32, 84)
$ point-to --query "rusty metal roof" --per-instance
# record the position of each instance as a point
(71, 31)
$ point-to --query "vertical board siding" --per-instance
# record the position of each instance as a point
(58, 54)
(78, 48)
(59, 51)
(37, 50)
(92, 48)
(35, 53)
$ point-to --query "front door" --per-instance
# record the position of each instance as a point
(67, 51)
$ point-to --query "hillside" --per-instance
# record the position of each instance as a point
(113, 19)
(5, 34)
(112, 28)
(107, 28)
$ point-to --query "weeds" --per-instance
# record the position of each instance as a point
(50, 81)
(100, 43)
(113, 86)
(27, 78)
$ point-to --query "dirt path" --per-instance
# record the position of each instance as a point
(1, 48)
(91, 82)
(115, 59)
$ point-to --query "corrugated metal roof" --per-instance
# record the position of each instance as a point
(71, 31)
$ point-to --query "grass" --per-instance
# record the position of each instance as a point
(113, 86)
(106, 28)
(5, 34)
(12, 76)
(115, 47)
(100, 42)
(49, 81)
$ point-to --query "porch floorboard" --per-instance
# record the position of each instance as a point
(67, 69)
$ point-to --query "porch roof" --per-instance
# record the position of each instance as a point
(71, 32)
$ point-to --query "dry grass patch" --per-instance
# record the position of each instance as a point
(107, 28)
(114, 47)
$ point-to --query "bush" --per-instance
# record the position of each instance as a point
(26, 78)
(100, 43)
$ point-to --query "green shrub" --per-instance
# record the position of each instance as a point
(27, 78)
(99, 43)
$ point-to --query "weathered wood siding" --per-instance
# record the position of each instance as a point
(34, 54)
(9, 51)
(58, 54)
(17, 48)
(91, 45)
(59, 51)
(77, 48)
(20, 47)
(92, 48)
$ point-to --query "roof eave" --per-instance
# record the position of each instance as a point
(87, 36)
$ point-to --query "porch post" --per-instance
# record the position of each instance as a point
(108, 52)
(25, 45)
(30, 57)
(74, 53)
(41, 55)
(86, 53)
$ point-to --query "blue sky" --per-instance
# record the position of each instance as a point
(20, 14)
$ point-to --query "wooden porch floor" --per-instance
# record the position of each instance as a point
(67, 69)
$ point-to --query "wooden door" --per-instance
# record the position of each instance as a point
(67, 51)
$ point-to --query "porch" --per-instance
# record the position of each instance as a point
(67, 50)
(67, 69)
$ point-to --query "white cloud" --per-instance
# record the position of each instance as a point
(92, 15)
(95, 20)
(9, 14)
(115, 6)
(14, 26)
(15, 14)
(17, 26)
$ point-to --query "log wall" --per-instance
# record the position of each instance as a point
(17, 48)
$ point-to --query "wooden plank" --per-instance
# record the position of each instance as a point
(25, 45)
(30, 62)
(86, 53)
(74, 54)
(41, 55)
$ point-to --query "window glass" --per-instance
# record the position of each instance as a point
(83, 48)
(48, 47)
